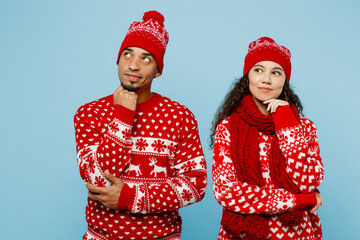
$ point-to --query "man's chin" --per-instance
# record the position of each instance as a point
(130, 87)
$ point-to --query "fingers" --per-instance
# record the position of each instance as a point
(273, 104)
(319, 202)
(121, 90)
(107, 196)
(118, 90)
(95, 189)
(315, 208)
(111, 177)
(125, 98)
(97, 197)
(97, 193)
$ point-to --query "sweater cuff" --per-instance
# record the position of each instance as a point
(124, 114)
(126, 198)
(305, 200)
(284, 118)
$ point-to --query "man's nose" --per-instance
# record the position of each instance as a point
(134, 64)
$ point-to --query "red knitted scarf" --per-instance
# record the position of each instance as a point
(245, 124)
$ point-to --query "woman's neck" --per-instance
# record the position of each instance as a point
(262, 107)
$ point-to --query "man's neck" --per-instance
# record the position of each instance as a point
(143, 96)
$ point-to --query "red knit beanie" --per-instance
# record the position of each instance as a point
(149, 35)
(266, 49)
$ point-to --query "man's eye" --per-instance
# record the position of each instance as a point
(146, 59)
(127, 54)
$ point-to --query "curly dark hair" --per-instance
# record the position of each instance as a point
(237, 93)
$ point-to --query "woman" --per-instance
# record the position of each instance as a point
(266, 167)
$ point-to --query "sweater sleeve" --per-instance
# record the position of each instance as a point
(245, 198)
(102, 142)
(185, 187)
(299, 144)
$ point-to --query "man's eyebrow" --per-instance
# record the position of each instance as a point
(128, 49)
(147, 54)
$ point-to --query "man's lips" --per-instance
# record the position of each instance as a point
(133, 77)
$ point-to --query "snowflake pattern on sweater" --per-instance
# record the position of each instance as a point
(298, 143)
(156, 151)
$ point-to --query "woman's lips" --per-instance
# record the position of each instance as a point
(264, 89)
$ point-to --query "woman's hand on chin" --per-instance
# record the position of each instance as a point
(273, 104)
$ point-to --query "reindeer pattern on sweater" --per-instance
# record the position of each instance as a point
(155, 150)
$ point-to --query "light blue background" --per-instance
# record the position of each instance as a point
(58, 55)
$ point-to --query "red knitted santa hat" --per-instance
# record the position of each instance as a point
(266, 49)
(150, 35)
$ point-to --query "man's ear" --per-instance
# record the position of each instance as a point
(158, 74)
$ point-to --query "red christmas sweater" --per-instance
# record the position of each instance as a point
(156, 151)
(299, 144)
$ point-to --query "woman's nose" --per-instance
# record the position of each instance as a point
(267, 78)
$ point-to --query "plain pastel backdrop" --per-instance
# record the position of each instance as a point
(58, 55)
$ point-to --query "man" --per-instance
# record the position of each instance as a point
(139, 153)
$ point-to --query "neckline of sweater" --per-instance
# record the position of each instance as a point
(149, 104)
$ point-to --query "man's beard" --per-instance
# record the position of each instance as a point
(130, 87)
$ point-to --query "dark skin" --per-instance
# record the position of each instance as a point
(138, 68)
(107, 196)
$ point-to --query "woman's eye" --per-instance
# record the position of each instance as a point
(258, 70)
(277, 73)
